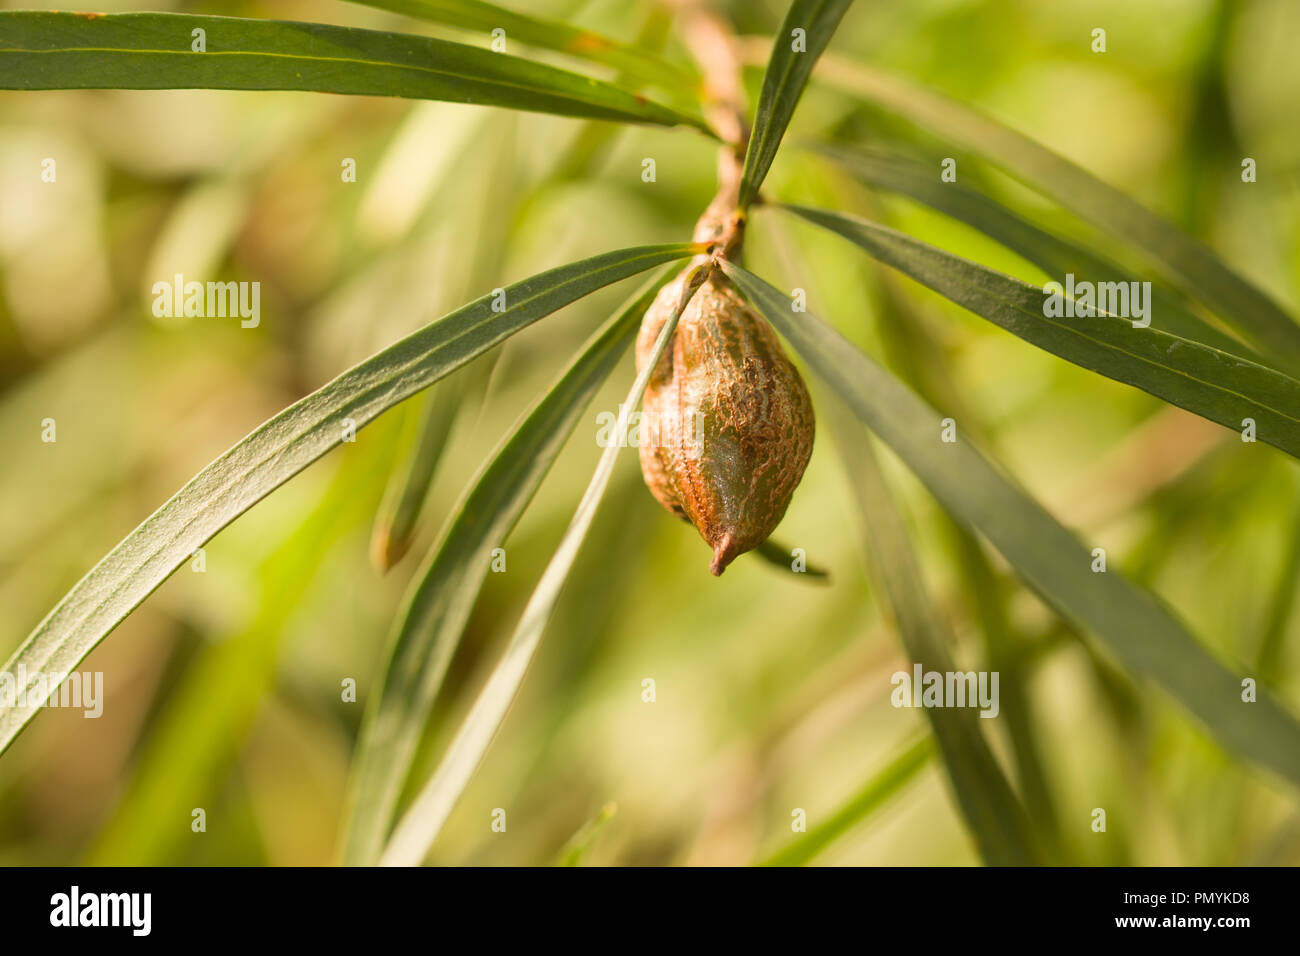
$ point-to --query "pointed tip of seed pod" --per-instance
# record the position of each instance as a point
(724, 552)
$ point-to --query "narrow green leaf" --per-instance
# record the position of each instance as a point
(581, 842)
(194, 738)
(408, 486)
(1006, 652)
(917, 358)
(991, 808)
(1193, 266)
(422, 822)
(153, 51)
(896, 775)
(545, 34)
(445, 588)
(488, 199)
(285, 445)
(1051, 253)
(1214, 384)
(1137, 629)
(793, 57)
(779, 556)
(1281, 607)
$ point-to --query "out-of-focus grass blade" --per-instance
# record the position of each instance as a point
(778, 555)
(581, 842)
(994, 813)
(1136, 629)
(442, 596)
(554, 35)
(485, 199)
(153, 51)
(792, 59)
(201, 727)
(918, 360)
(1281, 606)
(1194, 267)
(400, 510)
(896, 775)
(1222, 387)
(285, 445)
(1054, 255)
(594, 140)
(422, 822)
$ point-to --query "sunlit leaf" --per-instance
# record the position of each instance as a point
(196, 734)
(154, 51)
(423, 821)
(888, 782)
(1054, 255)
(545, 34)
(1134, 627)
(1216, 385)
(992, 810)
(395, 525)
(285, 445)
(808, 27)
(445, 588)
(581, 842)
(1193, 267)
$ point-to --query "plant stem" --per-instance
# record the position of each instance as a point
(712, 43)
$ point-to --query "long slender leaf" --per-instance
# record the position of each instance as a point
(545, 34)
(1193, 266)
(487, 203)
(153, 51)
(408, 486)
(420, 826)
(994, 813)
(896, 775)
(1054, 255)
(1138, 630)
(1281, 607)
(285, 445)
(917, 359)
(578, 845)
(778, 555)
(1222, 387)
(792, 60)
(202, 726)
(445, 588)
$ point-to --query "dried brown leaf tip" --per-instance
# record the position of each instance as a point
(727, 425)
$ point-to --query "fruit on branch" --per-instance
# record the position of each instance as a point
(727, 424)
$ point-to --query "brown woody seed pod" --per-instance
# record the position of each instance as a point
(727, 424)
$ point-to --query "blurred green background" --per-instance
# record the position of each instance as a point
(223, 689)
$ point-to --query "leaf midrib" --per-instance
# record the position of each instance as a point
(315, 58)
(958, 276)
(1113, 347)
(235, 478)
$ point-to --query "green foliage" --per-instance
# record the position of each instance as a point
(808, 27)
(1217, 385)
(1136, 629)
(448, 584)
(421, 824)
(154, 51)
(283, 446)
(1217, 346)
(1196, 269)
(890, 781)
(632, 61)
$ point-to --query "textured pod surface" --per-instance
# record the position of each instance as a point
(727, 425)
